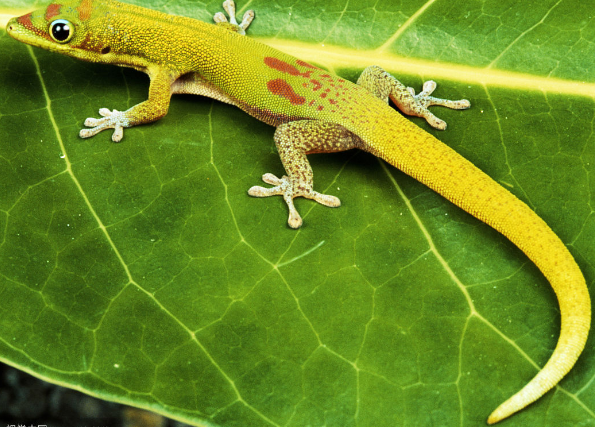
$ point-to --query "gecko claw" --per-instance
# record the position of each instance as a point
(271, 179)
(284, 187)
(247, 20)
(233, 25)
(110, 120)
(423, 100)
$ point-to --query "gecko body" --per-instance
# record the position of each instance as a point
(313, 111)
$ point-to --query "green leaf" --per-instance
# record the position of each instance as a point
(141, 272)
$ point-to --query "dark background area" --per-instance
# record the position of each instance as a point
(26, 401)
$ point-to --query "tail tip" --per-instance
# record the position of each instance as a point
(503, 411)
(493, 419)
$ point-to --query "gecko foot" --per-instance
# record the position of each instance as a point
(284, 187)
(230, 8)
(423, 100)
(111, 120)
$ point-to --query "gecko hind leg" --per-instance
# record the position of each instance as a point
(385, 86)
(232, 25)
(294, 140)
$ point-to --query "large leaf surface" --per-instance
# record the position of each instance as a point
(141, 272)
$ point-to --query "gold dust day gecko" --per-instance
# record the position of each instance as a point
(313, 111)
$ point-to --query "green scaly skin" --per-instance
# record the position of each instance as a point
(314, 111)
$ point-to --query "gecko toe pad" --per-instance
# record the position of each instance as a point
(233, 25)
(284, 187)
(110, 120)
(423, 100)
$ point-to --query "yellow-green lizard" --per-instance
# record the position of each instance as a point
(314, 111)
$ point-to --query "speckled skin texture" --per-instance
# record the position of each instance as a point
(314, 111)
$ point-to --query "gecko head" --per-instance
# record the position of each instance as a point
(63, 27)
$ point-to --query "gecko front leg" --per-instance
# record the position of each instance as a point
(148, 111)
(294, 141)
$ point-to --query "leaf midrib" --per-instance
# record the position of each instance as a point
(335, 57)
(339, 57)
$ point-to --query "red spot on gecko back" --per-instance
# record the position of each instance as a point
(282, 88)
(85, 9)
(305, 64)
(284, 67)
(52, 11)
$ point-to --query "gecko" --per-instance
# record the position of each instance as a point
(313, 111)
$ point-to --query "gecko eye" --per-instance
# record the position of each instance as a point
(61, 30)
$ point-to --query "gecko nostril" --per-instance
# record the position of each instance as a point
(106, 50)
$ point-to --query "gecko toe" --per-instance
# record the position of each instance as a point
(295, 220)
(271, 179)
(232, 24)
(258, 191)
(289, 190)
(111, 119)
(118, 133)
(326, 200)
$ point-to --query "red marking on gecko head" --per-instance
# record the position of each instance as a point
(25, 21)
(52, 11)
(85, 9)
(86, 44)
(282, 88)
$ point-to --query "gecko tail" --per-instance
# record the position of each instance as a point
(420, 155)
(569, 347)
